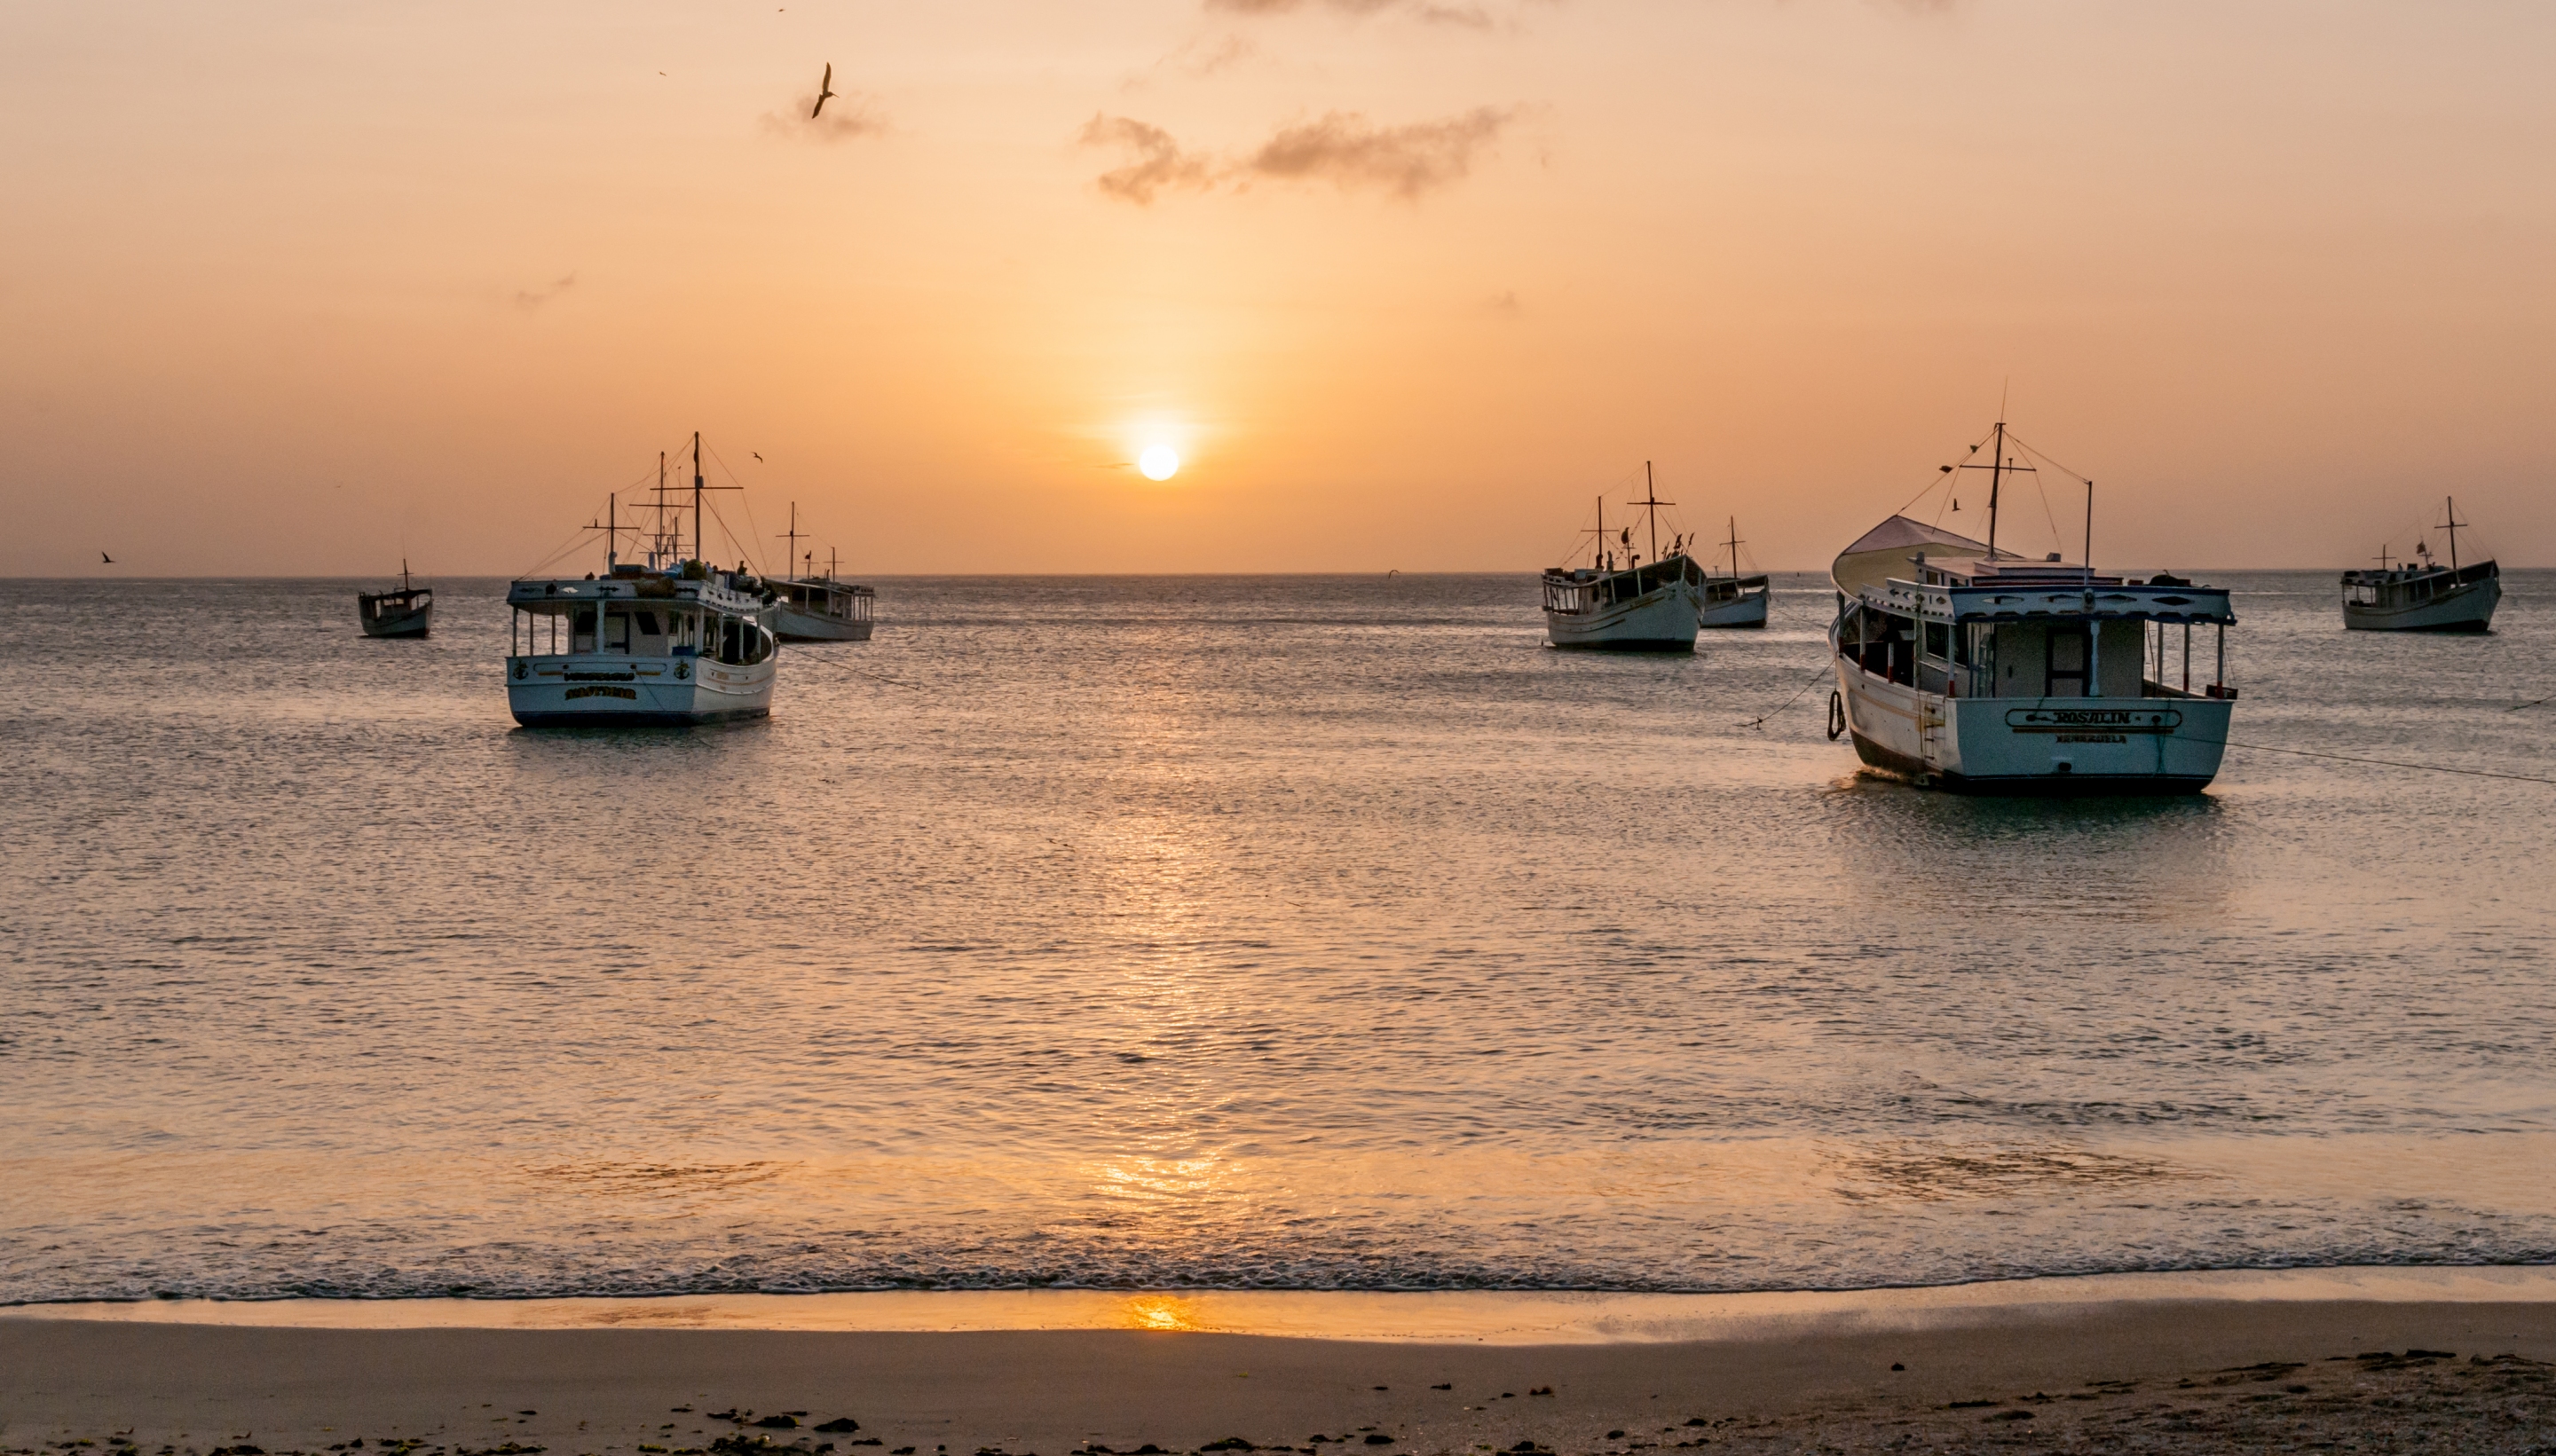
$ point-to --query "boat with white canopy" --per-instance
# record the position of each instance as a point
(666, 640)
(1965, 666)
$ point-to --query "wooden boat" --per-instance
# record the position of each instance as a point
(1965, 666)
(815, 606)
(1649, 606)
(667, 642)
(408, 611)
(1733, 600)
(2424, 595)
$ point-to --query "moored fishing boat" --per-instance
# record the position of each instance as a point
(816, 606)
(1963, 666)
(405, 611)
(1641, 606)
(2423, 595)
(1733, 600)
(671, 641)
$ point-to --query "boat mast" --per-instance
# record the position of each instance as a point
(792, 535)
(700, 550)
(1734, 548)
(2452, 524)
(1997, 470)
(1652, 501)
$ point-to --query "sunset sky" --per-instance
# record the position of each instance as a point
(291, 287)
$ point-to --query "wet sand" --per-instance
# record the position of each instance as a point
(2183, 1374)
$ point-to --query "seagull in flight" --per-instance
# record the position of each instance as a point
(107, 559)
(825, 89)
(757, 455)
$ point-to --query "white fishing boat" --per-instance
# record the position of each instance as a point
(1640, 606)
(1733, 600)
(1967, 667)
(670, 640)
(816, 606)
(406, 610)
(2424, 595)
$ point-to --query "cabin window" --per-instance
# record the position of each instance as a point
(1938, 640)
(580, 630)
(2066, 677)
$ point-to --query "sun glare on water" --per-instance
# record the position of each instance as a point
(1159, 461)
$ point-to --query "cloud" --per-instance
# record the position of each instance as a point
(847, 117)
(1341, 148)
(528, 299)
(1427, 10)
(1160, 163)
(1344, 149)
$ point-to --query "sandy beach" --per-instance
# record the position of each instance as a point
(2183, 1373)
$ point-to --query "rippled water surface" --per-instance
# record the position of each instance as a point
(1292, 933)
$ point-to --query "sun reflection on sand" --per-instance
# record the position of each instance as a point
(1161, 1312)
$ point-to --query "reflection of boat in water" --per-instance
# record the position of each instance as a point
(1642, 606)
(1965, 666)
(1733, 600)
(2424, 596)
(670, 642)
(814, 606)
(406, 612)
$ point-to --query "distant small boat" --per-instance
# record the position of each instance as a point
(407, 612)
(814, 606)
(2424, 596)
(1733, 600)
(1639, 607)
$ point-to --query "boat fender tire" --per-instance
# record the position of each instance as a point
(683, 670)
(1837, 716)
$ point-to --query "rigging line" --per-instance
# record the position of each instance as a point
(1760, 720)
(2385, 762)
(2516, 707)
(1939, 478)
(752, 555)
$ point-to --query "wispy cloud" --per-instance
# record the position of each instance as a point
(849, 116)
(1341, 148)
(1433, 10)
(1160, 163)
(1344, 149)
(528, 299)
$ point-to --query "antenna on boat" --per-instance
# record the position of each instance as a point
(1598, 550)
(2089, 533)
(1999, 467)
(1652, 502)
(792, 535)
(2454, 522)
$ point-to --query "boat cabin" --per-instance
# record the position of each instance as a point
(1939, 614)
(639, 613)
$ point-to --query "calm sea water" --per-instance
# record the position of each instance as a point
(1277, 933)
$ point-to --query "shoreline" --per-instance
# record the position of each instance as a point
(2201, 1374)
(1494, 1317)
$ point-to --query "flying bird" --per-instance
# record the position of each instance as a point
(757, 455)
(104, 558)
(825, 89)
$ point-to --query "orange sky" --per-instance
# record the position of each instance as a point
(290, 288)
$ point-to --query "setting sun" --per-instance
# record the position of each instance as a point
(1159, 462)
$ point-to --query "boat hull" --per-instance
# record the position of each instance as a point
(795, 624)
(2062, 747)
(1748, 609)
(1661, 620)
(635, 693)
(404, 624)
(2468, 608)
